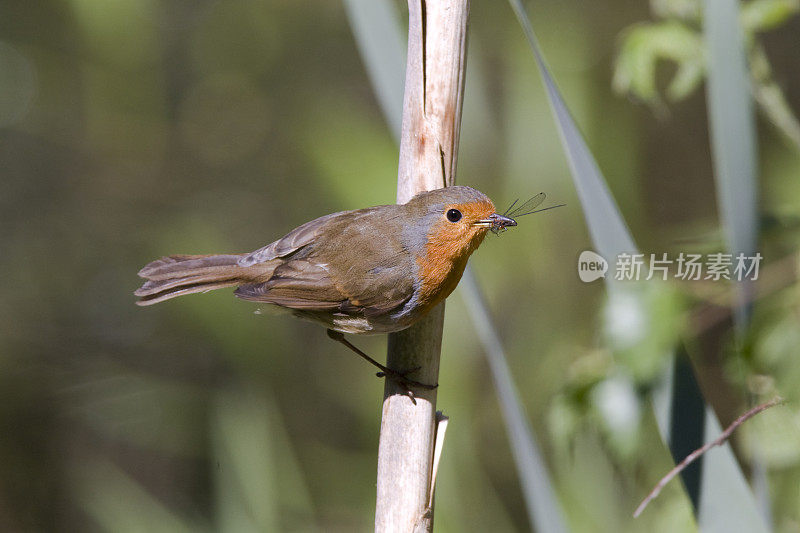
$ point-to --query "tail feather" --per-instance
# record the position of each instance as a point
(189, 289)
(177, 275)
(152, 287)
(188, 265)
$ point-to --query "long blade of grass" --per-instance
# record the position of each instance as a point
(732, 129)
(724, 489)
(607, 228)
(257, 478)
(382, 48)
(543, 508)
(727, 504)
(541, 503)
(116, 502)
(734, 152)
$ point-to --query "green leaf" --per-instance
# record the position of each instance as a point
(763, 15)
(686, 10)
(644, 45)
(769, 95)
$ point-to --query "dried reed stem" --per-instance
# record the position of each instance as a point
(428, 149)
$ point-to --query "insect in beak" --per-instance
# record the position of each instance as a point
(496, 223)
(499, 223)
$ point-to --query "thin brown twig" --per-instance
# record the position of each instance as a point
(700, 451)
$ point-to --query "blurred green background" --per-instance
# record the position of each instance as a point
(132, 129)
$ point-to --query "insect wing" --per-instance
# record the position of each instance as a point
(527, 207)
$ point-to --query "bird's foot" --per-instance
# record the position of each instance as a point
(398, 377)
(401, 378)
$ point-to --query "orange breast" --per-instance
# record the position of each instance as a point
(440, 269)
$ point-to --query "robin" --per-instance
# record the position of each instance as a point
(368, 271)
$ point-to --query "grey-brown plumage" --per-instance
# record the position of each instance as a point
(371, 270)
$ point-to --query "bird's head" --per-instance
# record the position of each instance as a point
(442, 228)
(454, 220)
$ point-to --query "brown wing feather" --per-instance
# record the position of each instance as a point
(296, 284)
(359, 271)
(375, 273)
(291, 242)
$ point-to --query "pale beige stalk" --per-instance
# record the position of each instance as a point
(434, 89)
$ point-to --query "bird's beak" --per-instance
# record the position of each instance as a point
(496, 222)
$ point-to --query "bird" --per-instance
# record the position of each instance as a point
(367, 271)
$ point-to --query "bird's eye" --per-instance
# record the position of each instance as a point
(453, 215)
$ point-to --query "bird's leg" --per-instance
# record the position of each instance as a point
(399, 377)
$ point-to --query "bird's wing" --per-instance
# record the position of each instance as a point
(358, 268)
(291, 242)
(302, 284)
(296, 284)
(384, 287)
